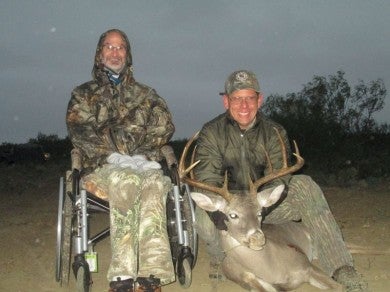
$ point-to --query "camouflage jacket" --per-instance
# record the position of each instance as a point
(129, 118)
(222, 146)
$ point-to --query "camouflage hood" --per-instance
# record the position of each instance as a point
(99, 72)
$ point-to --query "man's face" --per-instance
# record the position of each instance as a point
(113, 53)
(243, 105)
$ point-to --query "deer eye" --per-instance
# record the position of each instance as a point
(259, 215)
(233, 216)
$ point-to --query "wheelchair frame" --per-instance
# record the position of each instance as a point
(73, 238)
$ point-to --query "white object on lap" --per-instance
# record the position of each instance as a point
(136, 162)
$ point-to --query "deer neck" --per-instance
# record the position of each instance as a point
(228, 242)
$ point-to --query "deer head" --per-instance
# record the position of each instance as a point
(243, 211)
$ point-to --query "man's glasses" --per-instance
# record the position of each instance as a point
(115, 48)
(235, 100)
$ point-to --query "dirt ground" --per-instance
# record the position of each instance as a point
(28, 215)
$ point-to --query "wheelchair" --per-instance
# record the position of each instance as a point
(75, 244)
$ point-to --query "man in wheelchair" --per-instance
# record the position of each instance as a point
(119, 126)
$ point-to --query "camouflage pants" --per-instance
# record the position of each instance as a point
(139, 239)
(305, 201)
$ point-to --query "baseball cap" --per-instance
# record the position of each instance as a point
(241, 79)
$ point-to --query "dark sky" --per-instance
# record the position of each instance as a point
(183, 49)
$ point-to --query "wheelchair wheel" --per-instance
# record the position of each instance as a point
(189, 213)
(64, 235)
(82, 279)
(183, 238)
(184, 273)
(59, 229)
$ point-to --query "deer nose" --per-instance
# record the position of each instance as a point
(257, 240)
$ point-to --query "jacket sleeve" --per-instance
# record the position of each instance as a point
(210, 167)
(143, 126)
(86, 128)
(159, 127)
(274, 148)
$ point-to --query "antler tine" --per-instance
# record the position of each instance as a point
(223, 192)
(192, 161)
(283, 147)
(182, 171)
(285, 168)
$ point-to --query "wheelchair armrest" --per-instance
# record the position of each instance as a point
(169, 156)
(172, 164)
(77, 159)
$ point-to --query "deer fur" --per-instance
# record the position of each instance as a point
(264, 257)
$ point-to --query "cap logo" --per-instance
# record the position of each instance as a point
(242, 76)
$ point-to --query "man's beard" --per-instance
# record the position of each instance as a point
(115, 67)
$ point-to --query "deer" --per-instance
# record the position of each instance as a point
(259, 257)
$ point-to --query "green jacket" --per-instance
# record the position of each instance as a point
(129, 118)
(222, 146)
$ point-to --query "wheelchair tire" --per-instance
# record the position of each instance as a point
(64, 236)
(190, 215)
(82, 279)
(184, 273)
(59, 229)
(67, 239)
(184, 257)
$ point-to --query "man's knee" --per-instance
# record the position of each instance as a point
(307, 196)
(301, 179)
(304, 186)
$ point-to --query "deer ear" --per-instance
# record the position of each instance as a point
(268, 197)
(208, 202)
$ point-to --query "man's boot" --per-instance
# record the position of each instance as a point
(150, 284)
(350, 279)
(122, 285)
